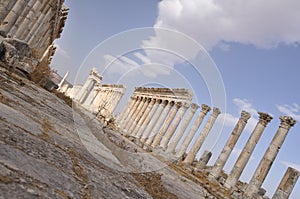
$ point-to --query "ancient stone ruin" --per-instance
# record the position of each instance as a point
(154, 119)
(28, 30)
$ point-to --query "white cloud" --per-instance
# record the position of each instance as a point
(229, 120)
(261, 23)
(142, 57)
(62, 52)
(119, 65)
(245, 105)
(291, 110)
(290, 164)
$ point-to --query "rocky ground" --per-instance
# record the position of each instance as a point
(49, 150)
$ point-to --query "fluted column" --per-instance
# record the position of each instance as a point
(141, 132)
(5, 8)
(126, 110)
(184, 124)
(148, 131)
(174, 125)
(287, 184)
(132, 109)
(22, 16)
(136, 111)
(84, 90)
(200, 140)
(265, 164)
(233, 177)
(166, 124)
(188, 139)
(159, 123)
(144, 116)
(28, 19)
(13, 15)
(139, 115)
(231, 142)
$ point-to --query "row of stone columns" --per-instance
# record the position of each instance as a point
(36, 22)
(154, 122)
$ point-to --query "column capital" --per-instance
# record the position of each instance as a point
(205, 108)
(245, 116)
(152, 101)
(194, 107)
(216, 112)
(178, 105)
(165, 102)
(264, 118)
(287, 122)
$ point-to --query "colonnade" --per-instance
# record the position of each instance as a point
(35, 22)
(158, 119)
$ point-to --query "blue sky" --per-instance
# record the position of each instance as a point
(254, 45)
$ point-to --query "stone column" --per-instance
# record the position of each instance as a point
(84, 90)
(265, 164)
(203, 160)
(233, 177)
(5, 8)
(136, 110)
(200, 140)
(174, 125)
(231, 142)
(144, 116)
(148, 131)
(141, 131)
(159, 123)
(139, 115)
(132, 109)
(97, 101)
(184, 124)
(13, 15)
(29, 18)
(188, 139)
(166, 124)
(126, 110)
(117, 101)
(287, 184)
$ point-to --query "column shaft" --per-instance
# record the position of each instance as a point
(148, 131)
(287, 184)
(166, 124)
(126, 110)
(139, 115)
(159, 123)
(265, 164)
(188, 139)
(200, 140)
(180, 133)
(231, 142)
(148, 118)
(245, 155)
(132, 109)
(173, 127)
(131, 119)
(144, 116)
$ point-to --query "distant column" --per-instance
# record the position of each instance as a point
(233, 177)
(12, 16)
(139, 114)
(174, 125)
(200, 140)
(287, 184)
(134, 114)
(125, 110)
(134, 107)
(265, 164)
(231, 142)
(142, 131)
(153, 121)
(187, 140)
(180, 133)
(160, 122)
(166, 125)
(151, 103)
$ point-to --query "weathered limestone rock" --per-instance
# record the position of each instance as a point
(203, 160)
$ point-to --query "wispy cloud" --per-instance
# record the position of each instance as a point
(62, 52)
(291, 110)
